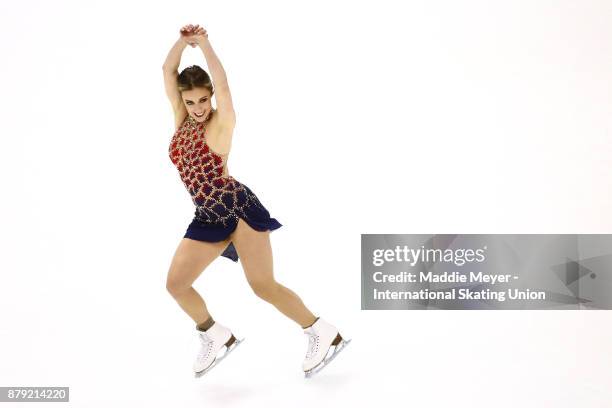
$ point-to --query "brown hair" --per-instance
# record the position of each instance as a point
(194, 77)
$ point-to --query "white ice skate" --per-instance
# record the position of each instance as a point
(321, 339)
(213, 340)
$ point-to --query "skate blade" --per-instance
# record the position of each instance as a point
(218, 360)
(337, 349)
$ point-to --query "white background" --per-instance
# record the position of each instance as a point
(353, 118)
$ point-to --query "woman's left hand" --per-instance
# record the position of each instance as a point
(199, 35)
(193, 34)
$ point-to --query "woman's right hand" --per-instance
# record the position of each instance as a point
(187, 33)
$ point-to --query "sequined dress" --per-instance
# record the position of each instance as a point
(219, 198)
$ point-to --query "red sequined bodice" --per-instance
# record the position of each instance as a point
(217, 195)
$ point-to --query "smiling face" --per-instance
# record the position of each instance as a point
(197, 102)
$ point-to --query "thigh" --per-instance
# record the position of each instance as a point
(255, 252)
(192, 257)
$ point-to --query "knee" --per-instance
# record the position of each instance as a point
(265, 289)
(175, 285)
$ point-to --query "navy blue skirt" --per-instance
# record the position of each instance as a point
(253, 212)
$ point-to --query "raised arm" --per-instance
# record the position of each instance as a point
(170, 69)
(225, 107)
(173, 60)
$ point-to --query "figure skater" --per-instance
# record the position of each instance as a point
(229, 219)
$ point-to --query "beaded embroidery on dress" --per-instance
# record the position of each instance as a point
(219, 198)
(217, 195)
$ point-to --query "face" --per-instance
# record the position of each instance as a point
(197, 102)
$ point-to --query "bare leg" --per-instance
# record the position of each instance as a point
(189, 261)
(255, 254)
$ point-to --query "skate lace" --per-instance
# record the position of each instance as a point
(313, 345)
(206, 346)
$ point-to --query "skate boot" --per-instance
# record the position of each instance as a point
(322, 337)
(213, 340)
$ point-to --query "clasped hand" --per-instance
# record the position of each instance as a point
(193, 34)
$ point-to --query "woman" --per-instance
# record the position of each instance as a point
(229, 218)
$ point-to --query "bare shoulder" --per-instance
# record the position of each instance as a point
(179, 117)
(219, 135)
